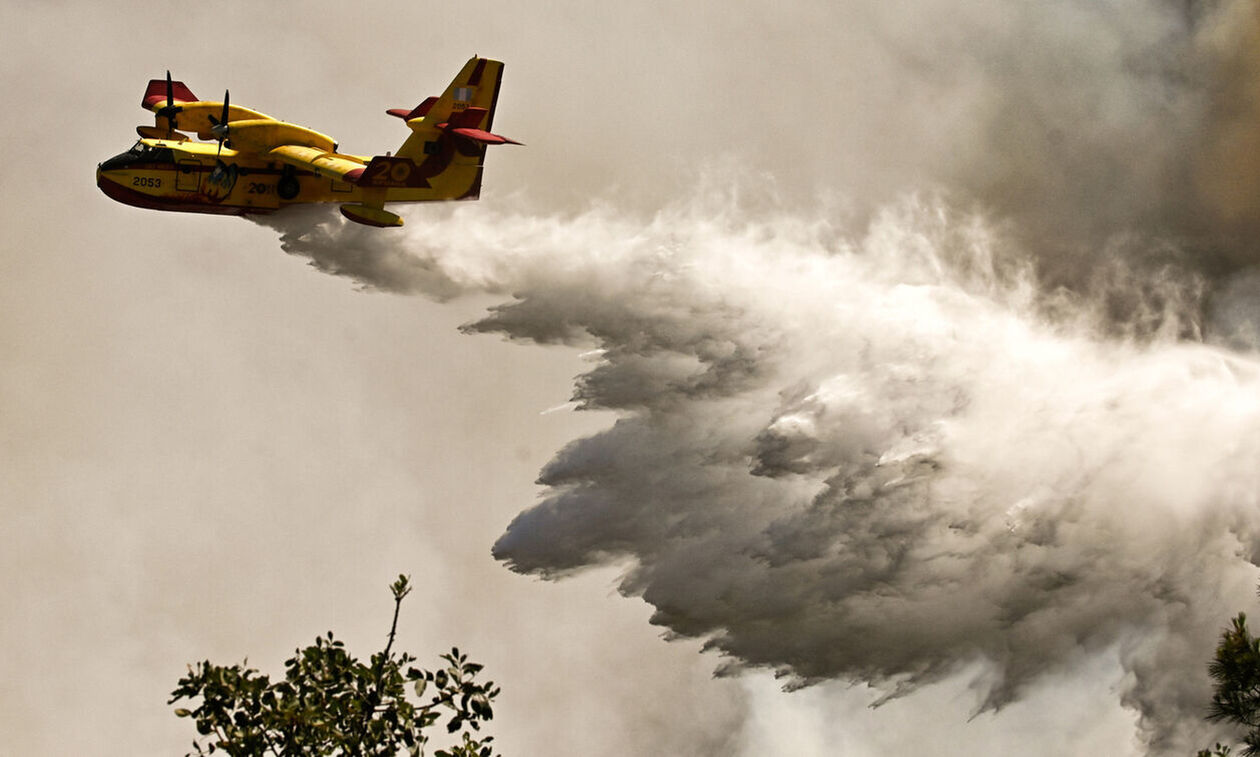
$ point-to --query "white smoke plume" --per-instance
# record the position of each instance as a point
(867, 458)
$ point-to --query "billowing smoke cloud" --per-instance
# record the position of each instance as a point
(868, 459)
(934, 440)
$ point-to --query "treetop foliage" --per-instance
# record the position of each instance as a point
(330, 703)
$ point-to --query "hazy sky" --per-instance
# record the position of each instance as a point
(930, 329)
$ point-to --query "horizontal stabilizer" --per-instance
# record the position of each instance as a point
(420, 110)
(484, 137)
(466, 124)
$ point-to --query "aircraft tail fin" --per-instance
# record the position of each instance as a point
(475, 86)
(449, 133)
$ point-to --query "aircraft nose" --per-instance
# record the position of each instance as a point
(109, 170)
(107, 182)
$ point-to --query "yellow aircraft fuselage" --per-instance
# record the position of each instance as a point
(193, 177)
(258, 164)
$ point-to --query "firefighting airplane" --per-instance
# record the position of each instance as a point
(260, 164)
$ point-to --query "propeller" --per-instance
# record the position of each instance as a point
(169, 110)
(219, 126)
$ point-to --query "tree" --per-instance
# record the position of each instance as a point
(1235, 674)
(330, 703)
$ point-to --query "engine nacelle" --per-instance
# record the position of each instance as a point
(260, 135)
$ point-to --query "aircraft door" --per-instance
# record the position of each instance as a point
(188, 176)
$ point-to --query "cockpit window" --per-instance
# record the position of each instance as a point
(148, 154)
(141, 153)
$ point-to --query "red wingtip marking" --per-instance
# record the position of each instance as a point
(354, 175)
(156, 92)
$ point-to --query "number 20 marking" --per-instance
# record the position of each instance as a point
(399, 171)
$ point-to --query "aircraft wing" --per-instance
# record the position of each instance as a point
(323, 163)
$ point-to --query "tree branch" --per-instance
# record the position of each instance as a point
(400, 589)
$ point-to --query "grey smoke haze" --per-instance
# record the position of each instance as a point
(1108, 131)
(1088, 121)
(920, 439)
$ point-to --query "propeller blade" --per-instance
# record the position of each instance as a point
(169, 110)
(221, 127)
